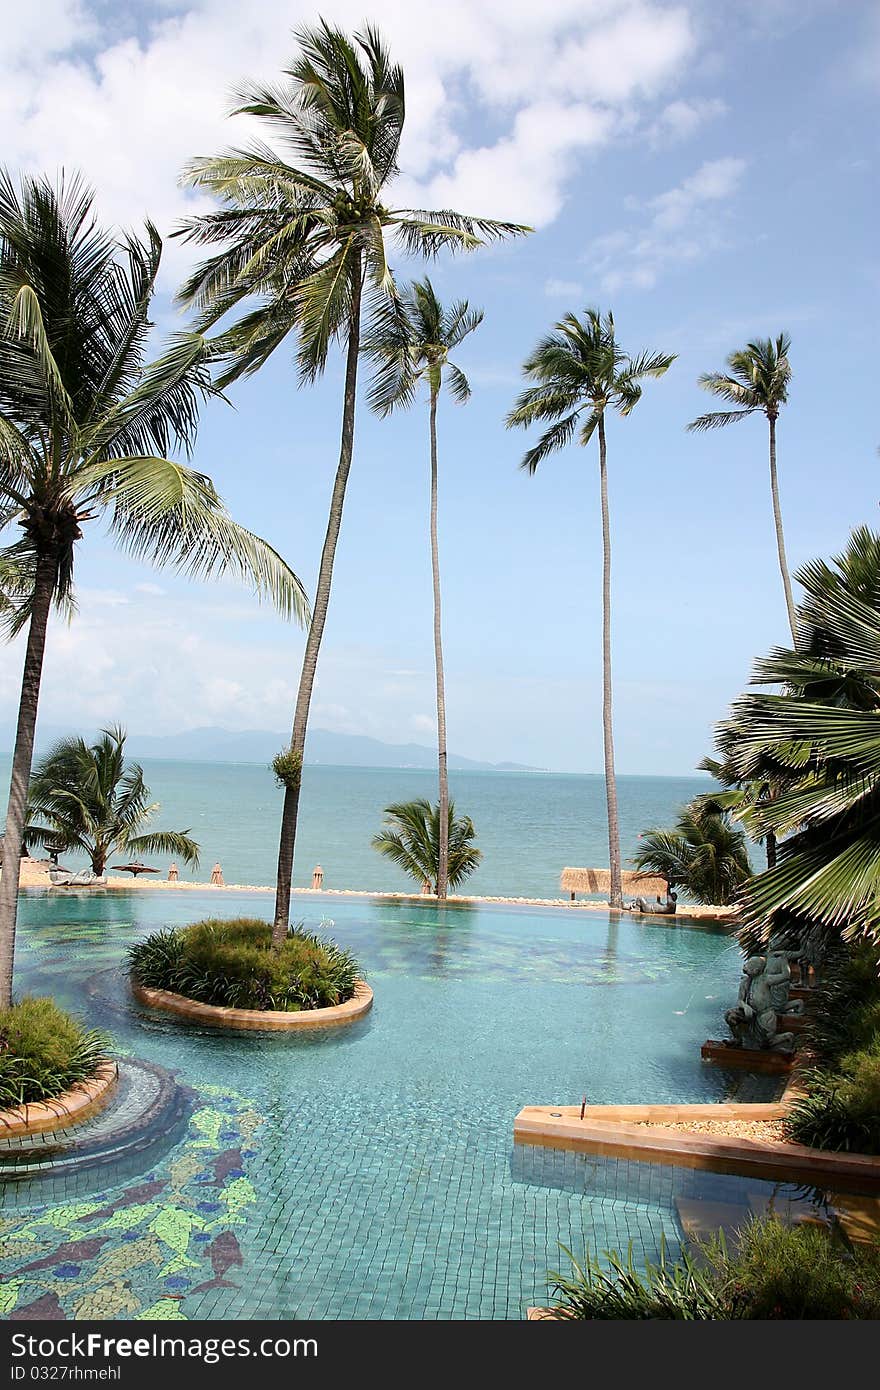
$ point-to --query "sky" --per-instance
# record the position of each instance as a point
(710, 181)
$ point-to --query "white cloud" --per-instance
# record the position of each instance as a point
(678, 226)
(563, 289)
(682, 119)
(130, 98)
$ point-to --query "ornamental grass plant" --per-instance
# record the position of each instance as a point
(44, 1051)
(233, 964)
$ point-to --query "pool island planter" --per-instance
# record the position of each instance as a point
(271, 1020)
(81, 1102)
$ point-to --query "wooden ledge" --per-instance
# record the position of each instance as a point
(615, 1130)
(274, 1020)
(82, 1101)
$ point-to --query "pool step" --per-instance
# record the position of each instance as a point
(146, 1116)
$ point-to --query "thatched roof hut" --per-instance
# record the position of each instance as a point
(598, 881)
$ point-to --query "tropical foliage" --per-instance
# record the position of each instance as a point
(578, 373)
(756, 381)
(411, 840)
(769, 1271)
(703, 853)
(86, 428)
(233, 964)
(304, 246)
(838, 1103)
(408, 348)
(741, 798)
(817, 738)
(44, 1051)
(86, 797)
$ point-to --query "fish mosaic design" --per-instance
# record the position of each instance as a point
(148, 1249)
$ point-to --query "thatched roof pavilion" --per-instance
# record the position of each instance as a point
(598, 882)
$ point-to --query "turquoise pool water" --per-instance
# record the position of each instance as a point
(370, 1171)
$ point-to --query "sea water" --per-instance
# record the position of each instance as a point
(529, 825)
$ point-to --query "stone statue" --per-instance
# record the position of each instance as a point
(754, 1022)
(779, 964)
(658, 908)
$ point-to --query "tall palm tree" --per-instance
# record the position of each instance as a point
(88, 798)
(410, 347)
(579, 373)
(308, 238)
(412, 841)
(85, 428)
(703, 853)
(756, 380)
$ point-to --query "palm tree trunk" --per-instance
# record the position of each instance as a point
(443, 800)
(770, 847)
(290, 812)
(777, 518)
(616, 896)
(22, 759)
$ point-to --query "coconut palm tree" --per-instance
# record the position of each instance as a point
(85, 429)
(86, 797)
(756, 380)
(408, 348)
(579, 373)
(703, 853)
(820, 727)
(308, 238)
(412, 841)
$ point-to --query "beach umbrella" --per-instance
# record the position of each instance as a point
(135, 869)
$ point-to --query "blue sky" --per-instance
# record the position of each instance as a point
(708, 180)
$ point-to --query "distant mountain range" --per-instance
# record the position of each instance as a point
(212, 745)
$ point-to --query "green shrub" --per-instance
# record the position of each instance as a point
(44, 1051)
(772, 1271)
(845, 1006)
(840, 1109)
(679, 1291)
(233, 964)
(800, 1271)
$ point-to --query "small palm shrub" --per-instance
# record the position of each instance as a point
(44, 1051)
(233, 964)
(772, 1271)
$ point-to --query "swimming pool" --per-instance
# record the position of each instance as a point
(369, 1171)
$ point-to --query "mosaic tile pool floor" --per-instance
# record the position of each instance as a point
(369, 1172)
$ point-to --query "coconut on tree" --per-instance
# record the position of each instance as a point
(756, 382)
(579, 373)
(303, 241)
(87, 424)
(411, 840)
(410, 347)
(85, 797)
